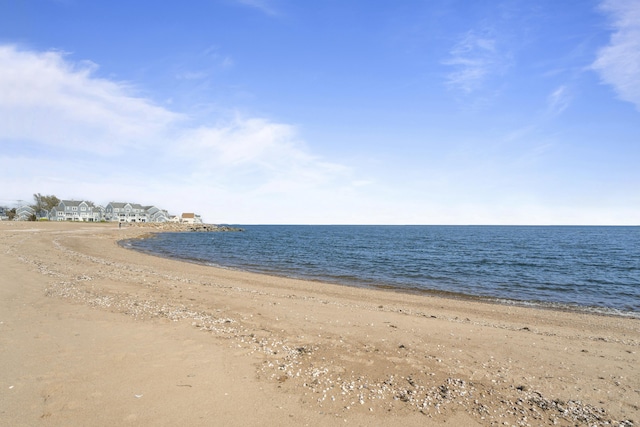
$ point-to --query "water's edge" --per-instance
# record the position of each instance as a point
(544, 305)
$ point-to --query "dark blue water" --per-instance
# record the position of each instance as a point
(586, 268)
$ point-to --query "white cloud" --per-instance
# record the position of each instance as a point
(618, 63)
(242, 141)
(62, 104)
(558, 101)
(257, 154)
(475, 58)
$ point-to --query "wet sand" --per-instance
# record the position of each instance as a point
(95, 334)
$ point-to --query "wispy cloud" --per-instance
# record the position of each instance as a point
(217, 57)
(209, 61)
(558, 101)
(192, 75)
(264, 6)
(62, 104)
(618, 63)
(257, 155)
(475, 58)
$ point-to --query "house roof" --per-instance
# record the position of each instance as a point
(123, 204)
(71, 202)
(23, 209)
(188, 215)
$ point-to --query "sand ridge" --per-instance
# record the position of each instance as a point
(160, 341)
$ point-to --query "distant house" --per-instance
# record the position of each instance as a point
(98, 213)
(155, 214)
(24, 213)
(134, 212)
(190, 218)
(56, 214)
(74, 210)
(4, 213)
(125, 212)
(80, 210)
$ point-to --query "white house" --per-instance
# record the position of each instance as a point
(125, 212)
(79, 210)
(155, 214)
(24, 213)
(134, 212)
(73, 210)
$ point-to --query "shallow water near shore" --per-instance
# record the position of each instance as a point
(580, 268)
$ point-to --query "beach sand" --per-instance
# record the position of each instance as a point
(95, 334)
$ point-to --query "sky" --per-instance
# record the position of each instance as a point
(327, 111)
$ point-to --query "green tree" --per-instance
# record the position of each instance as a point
(51, 201)
(44, 202)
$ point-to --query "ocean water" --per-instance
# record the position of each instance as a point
(580, 268)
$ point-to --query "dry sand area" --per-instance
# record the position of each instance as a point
(93, 334)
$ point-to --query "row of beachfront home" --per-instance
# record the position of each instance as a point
(73, 210)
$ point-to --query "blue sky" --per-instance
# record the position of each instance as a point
(327, 112)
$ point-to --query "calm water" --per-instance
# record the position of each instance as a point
(590, 268)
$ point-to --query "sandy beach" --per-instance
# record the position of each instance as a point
(94, 334)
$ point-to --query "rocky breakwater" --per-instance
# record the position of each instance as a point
(182, 227)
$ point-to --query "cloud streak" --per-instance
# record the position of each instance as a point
(618, 63)
(262, 5)
(474, 59)
(558, 101)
